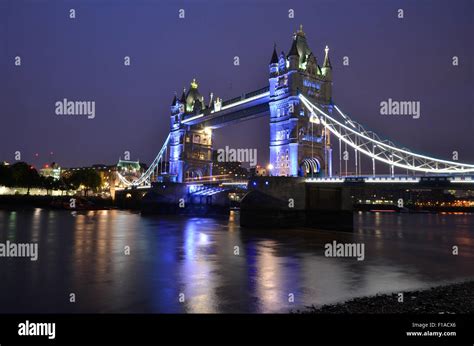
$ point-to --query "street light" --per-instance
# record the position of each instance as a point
(269, 168)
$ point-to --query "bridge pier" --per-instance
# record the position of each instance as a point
(283, 202)
(176, 199)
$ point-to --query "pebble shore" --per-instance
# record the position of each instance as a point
(450, 299)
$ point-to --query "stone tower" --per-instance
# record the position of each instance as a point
(299, 144)
(190, 145)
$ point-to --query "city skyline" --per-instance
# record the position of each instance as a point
(85, 61)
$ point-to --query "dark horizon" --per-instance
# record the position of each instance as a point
(82, 59)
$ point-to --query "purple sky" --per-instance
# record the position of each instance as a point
(82, 59)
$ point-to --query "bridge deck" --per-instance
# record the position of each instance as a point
(246, 107)
(401, 182)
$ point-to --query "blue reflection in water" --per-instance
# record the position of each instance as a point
(216, 265)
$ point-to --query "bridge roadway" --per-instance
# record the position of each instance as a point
(464, 182)
(248, 106)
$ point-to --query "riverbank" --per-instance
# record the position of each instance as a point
(454, 298)
(9, 202)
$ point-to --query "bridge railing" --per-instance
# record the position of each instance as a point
(246, 96)
(393, 179)
(257, 92)
(228, 102)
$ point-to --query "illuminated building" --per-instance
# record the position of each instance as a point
(190, 146)
(299, 145)
(51, 170)
(230, 170)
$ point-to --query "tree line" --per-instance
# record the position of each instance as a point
(26, 176)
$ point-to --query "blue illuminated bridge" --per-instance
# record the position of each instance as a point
(305, 126)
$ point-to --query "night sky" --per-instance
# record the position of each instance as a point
(82, 59)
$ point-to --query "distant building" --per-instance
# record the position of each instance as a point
(51, 170)
(258, 171)
(98, 168)
(131, 170)
(230, 170)
(128, 167)
(107, 174)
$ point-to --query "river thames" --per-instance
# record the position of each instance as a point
(206, 265)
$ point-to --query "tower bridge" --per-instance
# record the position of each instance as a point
(304, 125)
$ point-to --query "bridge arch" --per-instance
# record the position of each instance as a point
(309, 167)
(193, 173)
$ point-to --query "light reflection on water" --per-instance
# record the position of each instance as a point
(216, 266)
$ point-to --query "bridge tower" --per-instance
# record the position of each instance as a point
(190, 145)
(299, 144)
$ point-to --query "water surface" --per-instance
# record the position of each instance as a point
(216, 265)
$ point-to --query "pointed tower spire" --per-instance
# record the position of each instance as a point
(274, 55)
(273, 66)
(175, 98)
(300, 31)
(183, 96)
(327, 68)
(293, 55)
(294, 49)
(211, 99)
(327, 62)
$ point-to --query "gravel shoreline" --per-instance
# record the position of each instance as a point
(455, 298)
